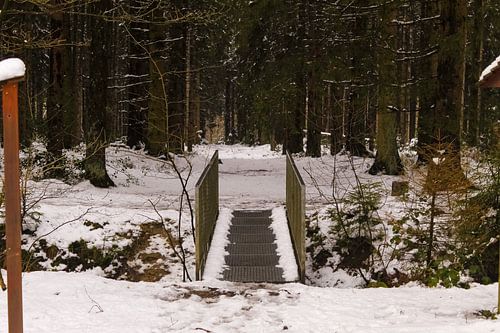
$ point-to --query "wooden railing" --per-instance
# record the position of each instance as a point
(207, 211)
(295, 211)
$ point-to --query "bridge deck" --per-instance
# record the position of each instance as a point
(252, 249)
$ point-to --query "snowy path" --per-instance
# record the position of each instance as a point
(252, 184)
(252, 246)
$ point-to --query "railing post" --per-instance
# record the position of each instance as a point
(12, 203)
(197, 245)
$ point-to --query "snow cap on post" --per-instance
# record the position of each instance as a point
(490, 77)
(11, 69)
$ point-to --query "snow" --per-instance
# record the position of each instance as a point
(493, 66)
(59, 302)
(250, 178)
(215, 263)
(284, 245)
(239, 152)
(11, 68)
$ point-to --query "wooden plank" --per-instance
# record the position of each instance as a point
(12, 206)
(206, 212)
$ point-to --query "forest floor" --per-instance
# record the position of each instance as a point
(119, 233)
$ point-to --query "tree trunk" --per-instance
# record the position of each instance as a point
(387, 160)
(355, 130)
(176, 80)
(73, 133)
(296, 120)
(158, 120)
(57, 100)
(450, 71)
(427, 117)
(413, 108)
(313, 120)
(95, 161)
(197, 109)
(188, 121)
(337, 126)
(474, 110)
(138, 92)
(227, 112)
(77, 122)
(430, 240)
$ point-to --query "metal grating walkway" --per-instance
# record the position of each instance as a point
(252, 249)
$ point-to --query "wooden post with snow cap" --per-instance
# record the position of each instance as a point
(490, 78)
(11, 72)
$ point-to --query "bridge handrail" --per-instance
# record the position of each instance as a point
(206, 210)
(295, 211)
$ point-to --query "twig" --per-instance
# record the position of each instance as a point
(184, 189)
(95, 304)
(184, 193)
(58, 227)
(50, 232)
(171, 241)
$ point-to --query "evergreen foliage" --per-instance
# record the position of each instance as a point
(276, 71)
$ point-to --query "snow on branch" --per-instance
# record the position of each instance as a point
(418, 20)
(12, 68)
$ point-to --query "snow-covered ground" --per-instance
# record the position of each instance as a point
(58, 302)
(250, 177)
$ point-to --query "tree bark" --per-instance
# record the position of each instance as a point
(387, 159)
(176, 80)
(313, 61)
(296, 121)
(337, 129)
(355, 130)
(313, 148)
(474, 110)
(76, 136)
(158, 120)
(138, 92)
(95, 136)
(450, 71)
(427, 117)
(227, 112)
(57, 100)
(188, 121)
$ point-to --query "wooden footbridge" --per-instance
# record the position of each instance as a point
(252, 251)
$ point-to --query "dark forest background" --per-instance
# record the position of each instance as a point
(165, 74)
